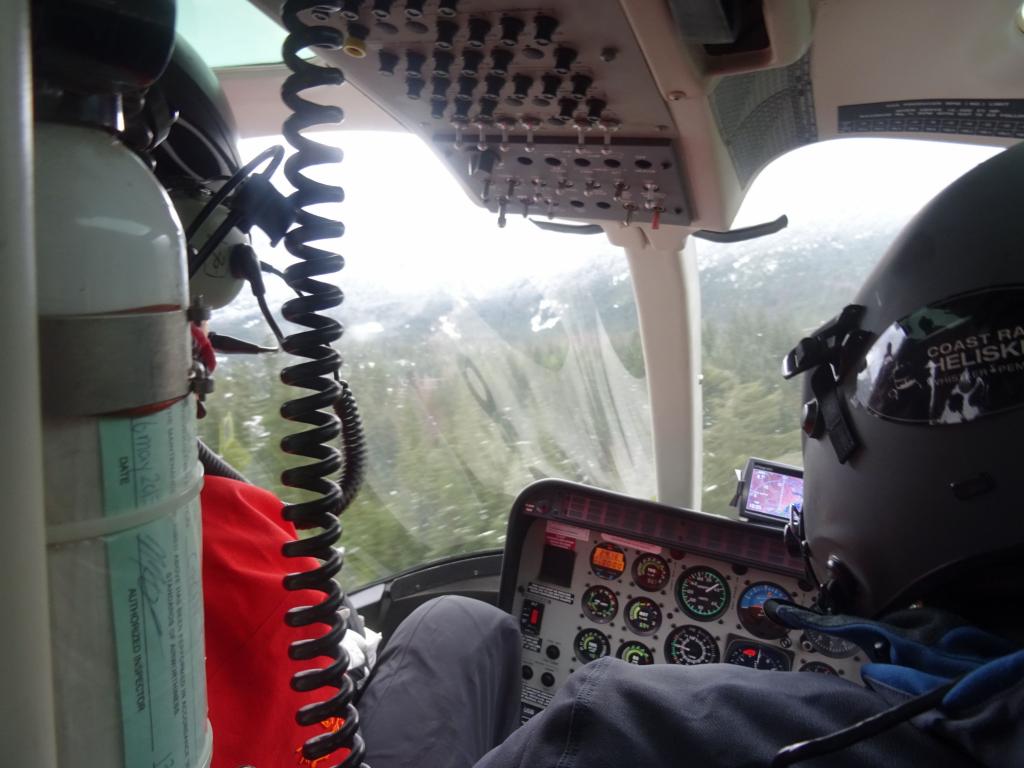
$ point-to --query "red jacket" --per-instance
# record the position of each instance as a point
(252, 706)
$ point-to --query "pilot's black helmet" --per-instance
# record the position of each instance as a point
(914, 415)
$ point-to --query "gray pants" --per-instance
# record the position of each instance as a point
(445, 689)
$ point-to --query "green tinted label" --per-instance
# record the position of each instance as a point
(158, 613)
(156, 588)
(147, 458)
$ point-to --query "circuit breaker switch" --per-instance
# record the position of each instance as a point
(544, 29)
(446, 31)
(521, 85)
(471, 61)
(414, 62)
(564, 58)
(580, 85)
(387, 62)
(382, 9)
(414, 87)
(478, 29)
(443, 61)
(500, 61)
(494, 84)
(350, 9)
(511, 28)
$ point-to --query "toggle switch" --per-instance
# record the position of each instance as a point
(471, 61)
(564, 58)
(448, 8)
(446, 31)
(580, 84)
(500, 60)
(387, 63)
(478, 29)
(462, 112)
(414, 9)
(544, 29)
(437, 109)
(530, 124)
(443, 61)
(511, 28)
(494, 84)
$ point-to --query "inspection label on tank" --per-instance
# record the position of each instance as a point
(147, 458)
(968, 117)
(157, 599)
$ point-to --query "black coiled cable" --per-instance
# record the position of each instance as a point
(318, 374)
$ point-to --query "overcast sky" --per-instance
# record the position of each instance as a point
(411, 226)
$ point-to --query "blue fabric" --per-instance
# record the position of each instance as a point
(912, 664)
(986, 682)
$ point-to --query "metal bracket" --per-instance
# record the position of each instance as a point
(94, 364)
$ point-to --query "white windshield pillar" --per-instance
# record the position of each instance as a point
(668, 306)
(27, 734)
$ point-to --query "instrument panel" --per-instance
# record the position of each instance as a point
(592, 574)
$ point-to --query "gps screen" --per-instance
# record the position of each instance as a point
(772, 492)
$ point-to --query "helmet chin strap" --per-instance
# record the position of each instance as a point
(827, 353)
(836, 594)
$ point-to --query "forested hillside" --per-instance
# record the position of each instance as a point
(467, 399)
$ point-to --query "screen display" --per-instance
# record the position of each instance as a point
(771, 492)
(610, 559)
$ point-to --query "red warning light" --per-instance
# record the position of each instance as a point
(749, 652)
(534, 617)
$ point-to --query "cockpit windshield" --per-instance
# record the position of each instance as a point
(484, 359)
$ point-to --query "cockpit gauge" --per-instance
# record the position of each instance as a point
(750, 610)
(600, 604)
(591, 644)
(829, 645)
(702, 593)
(651, 572)
(757, 656)
(691, 645)
(635, 652)
(642, 615)
(607, 561)
(820, 667)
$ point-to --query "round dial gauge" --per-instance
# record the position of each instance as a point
(756, 656)
(651, 572)
(702, 593)
(607, 561)
(635, 653)
(830, 645)
(691, 645)
(751, 610)
(591, 644)
(600, 604)
(820, 667)
(642, 615)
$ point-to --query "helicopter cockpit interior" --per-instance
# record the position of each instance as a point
(577, 239)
